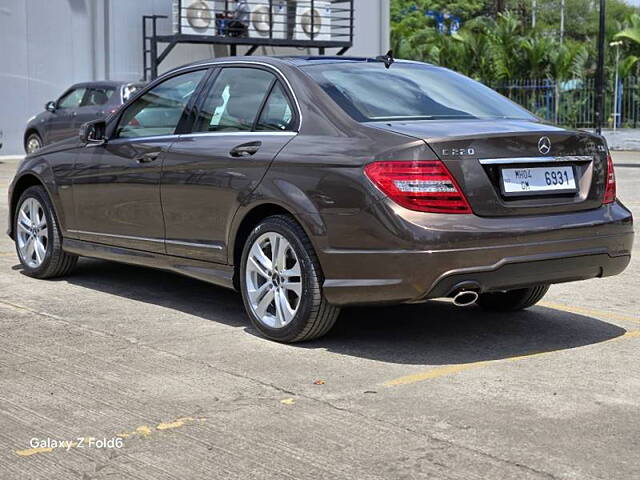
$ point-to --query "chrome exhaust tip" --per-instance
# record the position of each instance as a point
(465, 298)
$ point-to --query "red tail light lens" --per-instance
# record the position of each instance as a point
(425, 186)
(610, 191)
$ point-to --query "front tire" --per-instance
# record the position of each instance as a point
(37, 236)
(281, 283)
(512, 300)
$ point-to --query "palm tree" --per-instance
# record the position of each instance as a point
(566, 61)
(505, 41)
(632, 31)
(632, 34)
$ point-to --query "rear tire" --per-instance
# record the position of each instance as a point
(283, 297)
(37, 237)
(33, 143)
(512, 300)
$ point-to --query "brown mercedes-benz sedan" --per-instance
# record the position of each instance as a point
(312, 183)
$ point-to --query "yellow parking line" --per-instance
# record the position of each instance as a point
(433, 373)
(33, 451)
(452, 369)
(591, 312)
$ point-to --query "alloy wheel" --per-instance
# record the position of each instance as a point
(32, 233)
(33, 144)
(274, 280)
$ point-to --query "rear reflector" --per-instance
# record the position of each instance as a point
(610, 191)
(424, 186)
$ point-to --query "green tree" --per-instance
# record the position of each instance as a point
(494, 46)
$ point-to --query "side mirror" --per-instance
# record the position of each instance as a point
(93, 133)
(51, 106)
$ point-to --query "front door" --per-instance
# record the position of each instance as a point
(62, 124)
(116, 186)
(245, 118)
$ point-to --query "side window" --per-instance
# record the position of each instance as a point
(158, 111)
(72, 99)
(277, 114)
(233, 103)
(97, 96)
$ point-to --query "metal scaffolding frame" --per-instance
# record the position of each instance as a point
(153, 56)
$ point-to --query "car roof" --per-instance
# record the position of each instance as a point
(296, 61)
(102, 83)
(315, 60)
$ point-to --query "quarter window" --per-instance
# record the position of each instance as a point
(277, 114)
(159, 111)
(233, 103)
(72, 99)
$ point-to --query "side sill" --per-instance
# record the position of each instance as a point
(217, 274)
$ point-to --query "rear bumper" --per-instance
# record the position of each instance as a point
(585, 245)
(527, 272)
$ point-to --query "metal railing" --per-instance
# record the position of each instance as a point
(571, 102)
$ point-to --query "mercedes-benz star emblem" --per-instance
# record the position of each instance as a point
(544, 145)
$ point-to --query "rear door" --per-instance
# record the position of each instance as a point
(94, 105)
(245, 117)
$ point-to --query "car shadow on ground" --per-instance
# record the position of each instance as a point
(439, 333)
(433, 333)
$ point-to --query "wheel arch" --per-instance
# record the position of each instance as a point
(28, 132)
(26, 180)
(246, 221)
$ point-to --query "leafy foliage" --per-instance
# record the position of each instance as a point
(493, 46)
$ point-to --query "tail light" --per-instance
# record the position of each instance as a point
(610, 190)
(425, 186)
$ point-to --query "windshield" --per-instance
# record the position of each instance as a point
(410, 91)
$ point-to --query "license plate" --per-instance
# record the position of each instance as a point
(538, 180)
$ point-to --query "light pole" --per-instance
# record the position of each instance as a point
(561, 21)
(615, 87)
(534, 6)
(599, 103)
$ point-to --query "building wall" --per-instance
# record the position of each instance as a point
(47, 45)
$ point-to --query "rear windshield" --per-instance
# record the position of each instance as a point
(370, 92)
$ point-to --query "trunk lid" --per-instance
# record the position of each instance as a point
(481, 154)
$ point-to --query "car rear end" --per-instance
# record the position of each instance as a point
(484, 204)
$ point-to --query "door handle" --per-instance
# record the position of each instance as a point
(246, 149)
(147, 157)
